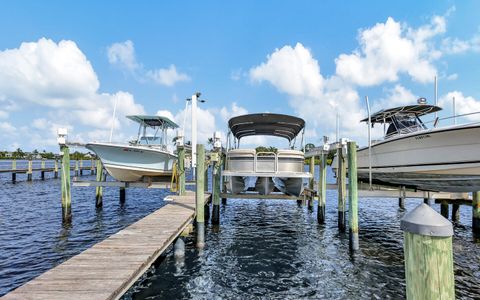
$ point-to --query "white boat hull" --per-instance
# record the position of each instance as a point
(445, 159)
(133, 163)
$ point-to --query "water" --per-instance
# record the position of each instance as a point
(263, 249)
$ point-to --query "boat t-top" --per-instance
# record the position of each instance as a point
(412, 155)
(265, 171)
(146, 156)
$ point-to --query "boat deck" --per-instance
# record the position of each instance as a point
(109, 268)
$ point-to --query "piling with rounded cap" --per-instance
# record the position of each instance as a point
(428, 254)
(200, 187)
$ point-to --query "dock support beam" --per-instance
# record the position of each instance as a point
(322, 189)
(30, 170)
(42, 173)
(476, 213)
(444, 209)
(401, 199)
(428, 254)
(55, 169)
(341, 181)
(122, 195)
(65, 179)
(312, 182)
(99, 189)
(455, 213)
(426, 201)
(216, 190)
(181, 170)
(352, 196)
(200, 196)
(76, 168)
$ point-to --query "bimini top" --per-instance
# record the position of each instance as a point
(153, 121)
(266, 124)
(386, 114)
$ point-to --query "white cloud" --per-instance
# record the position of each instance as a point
(58, 79)
(396, 96)
(166, 113)
(453, 76)
(389, 49)
(458, 46)
(235, 110)
(167, 77)
(123, 55)
(292, 70)
(463, 105)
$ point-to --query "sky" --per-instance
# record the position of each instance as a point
(64, 64)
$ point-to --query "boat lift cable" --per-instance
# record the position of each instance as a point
(369, 144)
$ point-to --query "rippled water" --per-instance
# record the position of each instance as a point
(263, 249)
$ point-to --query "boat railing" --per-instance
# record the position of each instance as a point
(265, 154)
(435, 121)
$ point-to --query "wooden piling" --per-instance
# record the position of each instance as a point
(428, 255)
(341, 182)
(401, 199)
(476, 213)
(312, 182)
(352, 195)
(444, 209)
(223, 187)
(216, 191)
(81, 167)
(76, 168)
(455, 213)
(30, 170)
(122, 195)
(426, 201)
(65, 185)
(55, 169)
(99, 189)
(181, 170)
(14, 167)
(322, 189)
(92, 167)
(200, 186)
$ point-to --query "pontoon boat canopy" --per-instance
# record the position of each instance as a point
(153, 121)
(266, 124)
(386, 115)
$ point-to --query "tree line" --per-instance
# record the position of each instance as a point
(35, 154)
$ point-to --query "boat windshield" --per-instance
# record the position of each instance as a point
(403, 124)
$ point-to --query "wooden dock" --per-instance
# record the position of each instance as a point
(109, 268)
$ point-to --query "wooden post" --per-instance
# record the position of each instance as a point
(42, 173)
(476, 213)
(444, 209)
(312, 182)
(14, 167)
(426, 201)
(341, 182)
(76, 168)
(352, 195)
(401, 199)
(122, 195)
(223, 187)
(200, 196)
(455, 213)
(181, 170)
(322, 189)
(81, 167)
(216, 190)
(205, 179)
(65, 183)
(30, 170)
(99, 189)
(92, 167)
(428, 255)
(55, 169)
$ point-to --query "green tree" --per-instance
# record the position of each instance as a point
(18, 154)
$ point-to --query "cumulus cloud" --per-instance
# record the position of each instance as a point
(235, 110)
(122, 54)
(463, 105)
(167, 77)
(396, 96)
(453, 76)
(457, 46)
(389, 49)
(59, 79)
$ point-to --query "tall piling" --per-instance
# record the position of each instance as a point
(322, 189)
(312, 182)
(428, 254)
(30, 170)
(341, 185)
(476, 213)
(200, 196)
(14, 167)
(42, 167)
(99, 189)
(76, 168)
(81, 167)
(455, 213)
(122, 194)
(55, 169)
(217, 169)
(65, 185)
(444, 209)
(181, 170)
(401, 199)
(352, 195)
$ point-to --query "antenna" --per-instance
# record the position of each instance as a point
(113, 120)
(436, 96)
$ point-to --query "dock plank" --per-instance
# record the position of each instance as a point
(110, 267)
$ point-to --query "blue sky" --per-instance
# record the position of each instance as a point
(64, 63)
